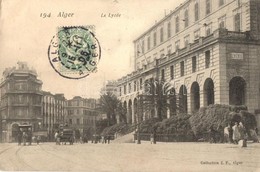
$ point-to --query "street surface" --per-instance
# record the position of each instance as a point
(116, 157)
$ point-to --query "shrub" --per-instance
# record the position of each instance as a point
(175, 128)
(218, 116)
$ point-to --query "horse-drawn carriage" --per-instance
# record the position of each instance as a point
(25, 134)
(66, 134)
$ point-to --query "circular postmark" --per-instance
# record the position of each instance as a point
(74, 52)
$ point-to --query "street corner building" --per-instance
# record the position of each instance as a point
(24, 103)
(21, 101)
(208, 50)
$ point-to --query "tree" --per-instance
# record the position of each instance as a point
(121, 112)
(159, 95)
(110, 105)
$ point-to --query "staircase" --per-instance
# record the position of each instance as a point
(128, 138)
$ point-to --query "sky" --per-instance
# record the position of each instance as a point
(25, 36)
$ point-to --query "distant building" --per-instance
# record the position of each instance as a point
(53, 112)
(81, 115)
(110, 87)
(21, 100)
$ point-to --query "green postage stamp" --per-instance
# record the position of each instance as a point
(74, 52)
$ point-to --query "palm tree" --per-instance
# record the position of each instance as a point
(159, 95)
(108, 104)
(113, 107)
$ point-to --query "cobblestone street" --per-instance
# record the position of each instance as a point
(130, 157)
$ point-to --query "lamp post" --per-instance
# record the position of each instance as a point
(139, 112)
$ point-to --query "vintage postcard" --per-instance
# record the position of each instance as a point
(129, 86)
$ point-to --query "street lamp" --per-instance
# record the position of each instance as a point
(139, 111)
(39, 124)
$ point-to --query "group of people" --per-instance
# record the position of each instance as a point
(101, 139)
(24, 137)
(233, 133)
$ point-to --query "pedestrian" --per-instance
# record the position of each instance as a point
(38, 139)
(230, 133)
(105, 137)
(30, 136)
(85, 139)
(226, 134)
(80, 140)
(236, 134)
(212, 134)
(221, 133)
(24, 137)
(254, 136)
(152, 138)
(19, 137)
(108, 139)
(56, 136)
(241, 130)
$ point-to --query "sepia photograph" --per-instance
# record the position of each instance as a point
(130, 86)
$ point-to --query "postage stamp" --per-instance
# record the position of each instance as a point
(74, 51)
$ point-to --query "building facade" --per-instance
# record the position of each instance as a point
(208, 50)
(110, 87)
(21, 100)
(82, 115)
(54, 111)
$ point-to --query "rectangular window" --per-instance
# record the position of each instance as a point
(142, 46)
(138, 50)
(124, 89)
(169, 30)
(194, 64)
(129, 88)
(172, 72)
(186, 18)
(208, 7)
(148, 59)
(196, 11)
(222, 22)
(162, 53)
(208, 29)
(148, 43)
(77, 111)
(221, 2)
(186, 40)
(138, 65)
(135, 85)
(182, 68)
(197, 34)
(177, 45)
(169, 50)
(78, 121)
(141, 83)
(177, 24)
(162, 75)
(70, 121)
(161, 34)
(207, 59)
(154, 39)
(237, 22)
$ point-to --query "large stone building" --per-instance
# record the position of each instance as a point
(21, 100)
(54, 112)
(82, 115)
(208, 50)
